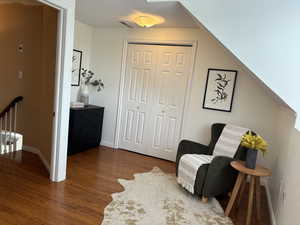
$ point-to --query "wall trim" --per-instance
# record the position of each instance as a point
(193, 43)
(107, 144)
(270, 205)
(39, 153)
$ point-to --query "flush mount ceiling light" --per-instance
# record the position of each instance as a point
(144, 19)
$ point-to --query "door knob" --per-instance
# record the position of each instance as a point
(163, 111)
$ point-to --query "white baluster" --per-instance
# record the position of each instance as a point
(1, 136)
(15, 127)
(10, 130)
(5, 131)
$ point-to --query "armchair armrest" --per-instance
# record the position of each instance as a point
(190, 147)
(220, 177)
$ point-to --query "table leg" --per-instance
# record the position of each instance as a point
(243, 185)
(257, 200)
(250, 203)
(234, 193)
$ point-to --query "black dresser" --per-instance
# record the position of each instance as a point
(85, 128)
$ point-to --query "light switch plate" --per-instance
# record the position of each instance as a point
(20, 74)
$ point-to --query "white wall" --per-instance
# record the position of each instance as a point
(264, 35)
(253, 105)
(285, 180)
(83, 42)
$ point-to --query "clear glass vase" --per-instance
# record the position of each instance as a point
(85, 94)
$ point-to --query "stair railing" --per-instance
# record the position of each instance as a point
(8, 126)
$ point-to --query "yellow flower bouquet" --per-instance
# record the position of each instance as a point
(254, 143)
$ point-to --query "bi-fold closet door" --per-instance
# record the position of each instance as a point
(153, 98)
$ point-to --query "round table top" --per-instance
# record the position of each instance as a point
(259, 171)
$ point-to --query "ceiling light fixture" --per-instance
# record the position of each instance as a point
(144, 19)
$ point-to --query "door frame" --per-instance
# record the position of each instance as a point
(62, 92)
(122, 82)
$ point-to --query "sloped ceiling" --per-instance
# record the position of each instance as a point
(263, 35)
(108, 13)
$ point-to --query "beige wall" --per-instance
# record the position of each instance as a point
(83, 42)
(288, 212)
(285, 181)
(21, 24)
(253, 106)
(35, 28)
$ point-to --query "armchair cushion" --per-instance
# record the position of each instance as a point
(220, 177)
(215, 178)
(190, 147)
(200, 179)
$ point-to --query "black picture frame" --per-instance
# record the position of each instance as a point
(218, 102)
(76, 67)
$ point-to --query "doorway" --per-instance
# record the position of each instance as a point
(28, 63)
(155, 90)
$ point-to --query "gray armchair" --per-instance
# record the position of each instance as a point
(218, 177)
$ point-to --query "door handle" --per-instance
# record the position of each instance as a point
(137, 107)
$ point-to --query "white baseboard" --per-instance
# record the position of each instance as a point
(108, 144)
(38, 152)
(270, 205)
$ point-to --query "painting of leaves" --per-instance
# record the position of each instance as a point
(219, 91)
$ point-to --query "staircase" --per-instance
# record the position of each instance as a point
(10, 140)
(263, 35)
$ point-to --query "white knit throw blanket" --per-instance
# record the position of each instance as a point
(226, 145)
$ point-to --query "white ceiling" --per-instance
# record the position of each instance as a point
(108, 13)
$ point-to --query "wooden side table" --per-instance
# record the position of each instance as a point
(255, 175)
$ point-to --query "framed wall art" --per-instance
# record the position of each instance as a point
(76, 67)
(219, 90)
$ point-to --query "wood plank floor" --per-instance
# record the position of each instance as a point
(27, 197)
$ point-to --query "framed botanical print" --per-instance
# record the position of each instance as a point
(219, 90)
(76, 67)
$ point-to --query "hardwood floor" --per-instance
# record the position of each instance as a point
(27, 197)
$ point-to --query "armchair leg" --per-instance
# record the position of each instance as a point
(204, 199)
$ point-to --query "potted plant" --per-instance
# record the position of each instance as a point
(89, 80)
(254, 143)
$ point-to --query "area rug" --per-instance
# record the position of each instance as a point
(155, 198)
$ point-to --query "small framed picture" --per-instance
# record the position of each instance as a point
(219, 90)
(76, 67)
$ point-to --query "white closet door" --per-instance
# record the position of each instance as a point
(170, 86)
(140, 72)
(153, 102)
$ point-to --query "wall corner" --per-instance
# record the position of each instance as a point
(297, 126)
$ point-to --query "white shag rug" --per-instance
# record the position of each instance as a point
(155, 198)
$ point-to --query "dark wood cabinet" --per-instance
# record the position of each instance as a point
(85, 128)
